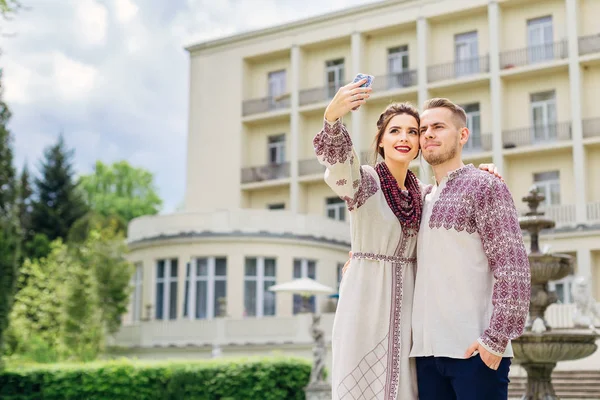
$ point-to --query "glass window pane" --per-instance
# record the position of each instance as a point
(270, 267)
(269, 299)
(160, 269)
(297, 303)
(297, 269)
(250, 298)
(250, 266)
(186, 290)
(312, 270)
(174, 265)
(221, 267)
(173, 300)
(201, 267)
(342, 211)
(201, 299)
(331, 213)
(159, 300)
(220, 292)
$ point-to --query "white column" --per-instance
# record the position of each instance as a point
(495, 84)
(423, 93)
(356, 45)
(584, 263)
(294, 127)
(576, 124)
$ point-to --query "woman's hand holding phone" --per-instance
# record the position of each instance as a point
(347, 98)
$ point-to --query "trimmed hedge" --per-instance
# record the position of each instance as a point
(264, 379)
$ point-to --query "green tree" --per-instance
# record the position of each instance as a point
(58, 202)
(122, 190)
(9, 6)
(9, 232)
(24, 209)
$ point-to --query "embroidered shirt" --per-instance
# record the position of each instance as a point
(473, 277)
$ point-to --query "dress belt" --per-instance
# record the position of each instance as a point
(384, 257)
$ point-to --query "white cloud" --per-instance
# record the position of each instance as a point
(92, 21)
(125, 10)
(72, 79)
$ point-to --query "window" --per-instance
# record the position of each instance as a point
(166, 289)
(136, 293)
(259, 276)
(304, 269)
(205, 287)
(549, 185)
(539, 39)
(474, 125)
(397, 67)
(334, 76)
(340, 274)
(276, 206)
(276, 149)
(563, 289)
(276, 88)
(335, 208)
(543, 116)
(466, 54)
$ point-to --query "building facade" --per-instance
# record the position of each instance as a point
(257, 211)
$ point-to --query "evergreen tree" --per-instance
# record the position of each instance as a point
(58, 202)
(24, 208)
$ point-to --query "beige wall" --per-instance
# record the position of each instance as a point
(476, 94)
(255, 150)
(261, 198)
(590, 83)
(284, 251)
(588, 17)
(519, 172)
(377, 45)
(513, 24)
(592, 155)
(442, 35)
(312, 73)
(517, 101)
(257, 75)
(317, 193)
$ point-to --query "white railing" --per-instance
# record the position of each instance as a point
(561, 316)
(244, 221)
(593, 212)
(562, 215)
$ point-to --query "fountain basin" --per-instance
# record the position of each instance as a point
(549, 267)
(555, 345)
(535, 223)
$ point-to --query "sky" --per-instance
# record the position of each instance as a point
(111, 76)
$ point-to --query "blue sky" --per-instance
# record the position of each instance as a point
(112, 75)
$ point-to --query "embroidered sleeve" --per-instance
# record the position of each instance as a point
(343, 174)
(498, 225)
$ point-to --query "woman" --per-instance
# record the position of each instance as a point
(372, 326)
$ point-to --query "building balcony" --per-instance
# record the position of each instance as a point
(593, 212)
(563, 214)
(267, 172)
(537, 135)
(310, 166)
(318, 94)
(478, 144)
(589, 44)
(265, 104)
(395, 81)
(458, 69)
(591, 127)
(534, 55)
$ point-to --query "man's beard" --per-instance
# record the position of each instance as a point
(437, 159)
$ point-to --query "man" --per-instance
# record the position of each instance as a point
(473, 280)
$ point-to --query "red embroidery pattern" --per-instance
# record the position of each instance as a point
(476, 202)
(333, 144)
(341, 182)
(355, 183)
(367, 188)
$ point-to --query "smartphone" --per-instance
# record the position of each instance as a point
(368, 83)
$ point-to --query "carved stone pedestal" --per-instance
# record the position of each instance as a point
(318, 391)
(539, 382)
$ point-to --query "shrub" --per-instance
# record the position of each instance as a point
(259, 378)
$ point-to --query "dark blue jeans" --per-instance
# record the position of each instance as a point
(441, 378)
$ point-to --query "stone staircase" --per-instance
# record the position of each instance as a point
(576, 385)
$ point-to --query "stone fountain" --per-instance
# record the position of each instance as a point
(541, 347)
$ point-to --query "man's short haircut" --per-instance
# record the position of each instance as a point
(457, 111)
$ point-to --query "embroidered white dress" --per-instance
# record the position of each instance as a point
(371, 337)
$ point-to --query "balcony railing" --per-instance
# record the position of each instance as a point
(266, 172)
(315, 95)
(395, 81)
(591, 127)
(256, 106)
(593, 212)
(563, 214)
(534, 54)
(310, 166)
(589, 44)
(478, 143)
(458, 69)
(536, 135)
